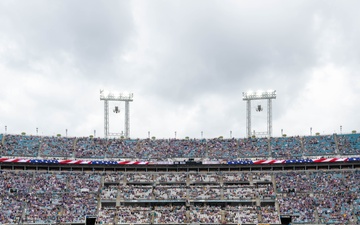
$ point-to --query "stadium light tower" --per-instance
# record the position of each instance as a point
(124, 97)
(259, 95)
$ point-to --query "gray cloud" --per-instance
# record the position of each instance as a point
(187, 63)
(214, 49)
(88, 35)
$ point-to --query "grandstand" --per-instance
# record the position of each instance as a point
(60, 180)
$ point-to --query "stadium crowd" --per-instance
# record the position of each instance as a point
(241, 214)
(49, 197)
(300, 205)
(319, 145)
(330, 197)
(349, 144)
(169, 192)
(286, 147)
(21, 145)
(164, 149)
(62, 147)
(170, 214)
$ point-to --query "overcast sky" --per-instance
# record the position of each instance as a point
(187, 63)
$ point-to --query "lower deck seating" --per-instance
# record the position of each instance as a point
(44, 197)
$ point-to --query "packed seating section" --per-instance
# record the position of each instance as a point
(313, 197)
(169, 214)
(164, 149)
(328, 197)
(47, 197)
(292, 182)
(301, 205)
(21, 145)
(349, 144)
(57, 147)
(286, 147)
(241, 214)
(319, 145)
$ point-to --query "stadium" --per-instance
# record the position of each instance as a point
(200, 150)
(87, 180)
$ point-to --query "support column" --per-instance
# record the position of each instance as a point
(106, 118)
(269, 118)
(127, 120)
(248, 117)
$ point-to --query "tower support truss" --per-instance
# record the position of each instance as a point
(248, 117)
(127, 119)
(259, 95)
(122, 97)
(106, 117)
(269, 117)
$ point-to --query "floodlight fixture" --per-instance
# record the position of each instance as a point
(107, 96)
(259, 95)
(114, 96)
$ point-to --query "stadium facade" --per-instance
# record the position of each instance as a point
(60, 180)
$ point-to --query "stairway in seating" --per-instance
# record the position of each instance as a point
(40, 148)
(74, 148)
(336, 145)
(302, 147)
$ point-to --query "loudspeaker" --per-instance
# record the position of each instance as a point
(285, 219)
(90, 220)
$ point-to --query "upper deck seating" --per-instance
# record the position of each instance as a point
(57, 147)
(349, 144)
(286, 147)
(21, 145)
(319, 145)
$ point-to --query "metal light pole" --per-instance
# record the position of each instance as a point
(124, 97)
(259, 95)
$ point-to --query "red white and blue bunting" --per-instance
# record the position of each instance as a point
(236, 162)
